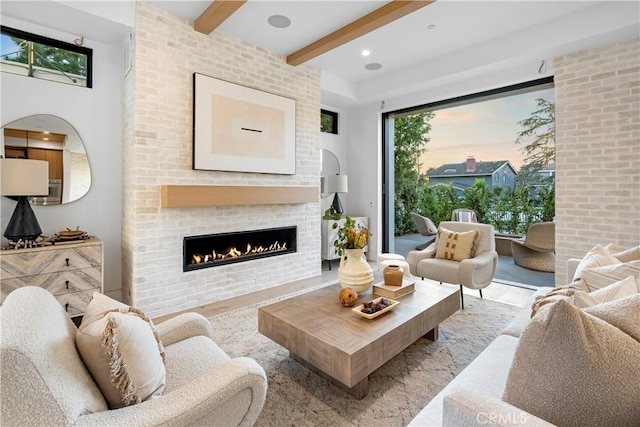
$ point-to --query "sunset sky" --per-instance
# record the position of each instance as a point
(485, 130)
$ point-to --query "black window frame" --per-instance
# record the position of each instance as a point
(388, 130)
(88, 52)
(334, 124)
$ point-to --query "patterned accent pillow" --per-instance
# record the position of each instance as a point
(577, 295)
(123, 352)
(574, 294)
(456, 246)
(617, 290)
(599, 277)
(628, 255)
(596, 257)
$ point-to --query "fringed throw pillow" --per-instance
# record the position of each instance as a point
(456, 246)
(121, 349)
(578, 294)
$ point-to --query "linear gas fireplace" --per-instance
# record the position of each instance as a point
(212, 250)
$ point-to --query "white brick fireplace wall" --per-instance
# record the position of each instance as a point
(598, 150)
(157, 150)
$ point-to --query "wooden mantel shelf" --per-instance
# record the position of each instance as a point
(188, 196)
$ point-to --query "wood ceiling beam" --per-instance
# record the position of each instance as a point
(215, 14)
(382, 16)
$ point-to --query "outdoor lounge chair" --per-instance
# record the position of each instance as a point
(536, 251)
(426, 227)
(464, 215)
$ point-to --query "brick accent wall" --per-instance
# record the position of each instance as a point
(597, 149)
(157, 150)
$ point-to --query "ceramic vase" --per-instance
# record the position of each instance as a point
(392, 275)
(354, 271)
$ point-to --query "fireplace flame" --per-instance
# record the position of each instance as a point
(236, 253)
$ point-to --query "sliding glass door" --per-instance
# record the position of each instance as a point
(492, 152)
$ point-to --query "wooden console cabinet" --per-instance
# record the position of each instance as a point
(71, 272)
(330, 235)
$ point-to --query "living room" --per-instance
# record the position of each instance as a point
(136, 123)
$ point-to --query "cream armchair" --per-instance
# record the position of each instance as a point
(45, 383)
(474, 273)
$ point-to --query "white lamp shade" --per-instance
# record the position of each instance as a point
(23, 177)
(336, 184)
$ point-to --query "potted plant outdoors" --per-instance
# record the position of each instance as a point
(354, 271)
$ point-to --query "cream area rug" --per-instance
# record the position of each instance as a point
(397, 391)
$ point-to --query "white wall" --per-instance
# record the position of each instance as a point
(96, 115)
(336, 144)
(364, 169)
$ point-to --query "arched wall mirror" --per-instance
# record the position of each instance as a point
(330, 165)
(50, 138)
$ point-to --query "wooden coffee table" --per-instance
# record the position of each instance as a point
(327, 337)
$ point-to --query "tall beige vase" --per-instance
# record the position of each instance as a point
(354, 271)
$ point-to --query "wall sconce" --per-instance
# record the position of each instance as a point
(23, 178)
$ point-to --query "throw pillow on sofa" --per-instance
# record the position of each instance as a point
(573, 293)
(456, 246)
(623, 313)
(119, 346)
(596, 257)
(630, 254)
(576, 294)
(571, 368)
(600, 277)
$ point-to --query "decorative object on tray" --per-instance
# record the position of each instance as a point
(383, 290)
(393, 275)
(375, 307)
(348, 297)
(354, 271)
(40, 241)
(71, 236)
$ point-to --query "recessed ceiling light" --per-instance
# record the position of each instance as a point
(279, 21)
(366, 52)
(373, 66)
(431, 27)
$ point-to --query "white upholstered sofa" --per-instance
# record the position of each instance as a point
(45, 383)
(475, 396)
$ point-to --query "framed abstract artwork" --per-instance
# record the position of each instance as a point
(240, 129)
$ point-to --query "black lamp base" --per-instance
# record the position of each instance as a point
(336, 206)
(23, 223)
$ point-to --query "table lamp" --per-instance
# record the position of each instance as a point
(336, 184)
(23, 178)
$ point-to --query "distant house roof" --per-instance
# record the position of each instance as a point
(470, 167)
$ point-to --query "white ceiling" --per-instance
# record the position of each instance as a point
(407, 49)
(471, 37)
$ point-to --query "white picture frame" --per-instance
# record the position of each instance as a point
(241, 129)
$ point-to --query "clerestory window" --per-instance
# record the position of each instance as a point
(40, 57)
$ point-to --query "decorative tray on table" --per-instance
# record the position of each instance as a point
(377, 306)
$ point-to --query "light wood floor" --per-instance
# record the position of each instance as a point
(495, 291)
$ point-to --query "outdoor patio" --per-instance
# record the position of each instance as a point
(508, 272)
